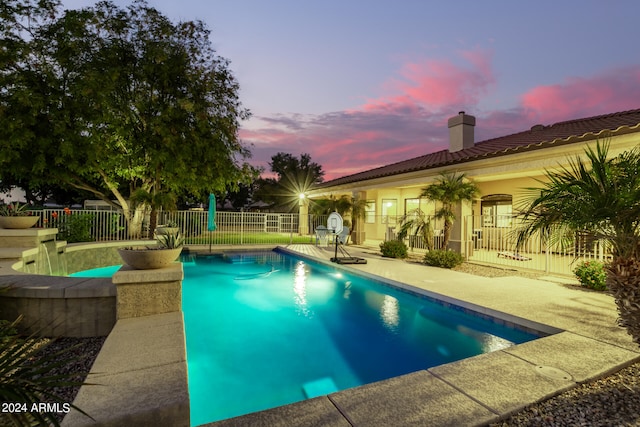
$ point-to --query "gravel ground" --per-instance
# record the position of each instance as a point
(607, 402)
(610, 401)
(82, 352)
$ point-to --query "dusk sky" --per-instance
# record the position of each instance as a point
(361, 84)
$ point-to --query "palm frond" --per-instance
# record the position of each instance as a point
(26, 376)
(417, 224)
(594, 194)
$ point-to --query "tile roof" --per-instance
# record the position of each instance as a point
(536, 138)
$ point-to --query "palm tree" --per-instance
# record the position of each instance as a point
(449, 190)
(344, 205)
(341, 204)
(419, 225)
(600, 196)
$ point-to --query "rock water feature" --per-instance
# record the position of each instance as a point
(35, 250)
(51, 258)
(33, 272)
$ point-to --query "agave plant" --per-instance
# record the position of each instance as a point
(15, 209)
(602, 196)
(170, 240)
(27, 379)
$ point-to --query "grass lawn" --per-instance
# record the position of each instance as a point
(234, 238)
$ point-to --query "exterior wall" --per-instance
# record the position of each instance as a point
(86, 256)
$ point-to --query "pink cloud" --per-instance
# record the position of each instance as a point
(611, 91)
(441, 84)
(410, 119)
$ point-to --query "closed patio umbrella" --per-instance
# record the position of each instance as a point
(211, 223)
(211, 220)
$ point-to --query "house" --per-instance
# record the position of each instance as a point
(502, 167)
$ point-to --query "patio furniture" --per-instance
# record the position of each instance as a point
(513, 255)
(343, 236)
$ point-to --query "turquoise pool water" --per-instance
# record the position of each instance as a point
(267, 329)
(97, 272)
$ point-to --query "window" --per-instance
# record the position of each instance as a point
(497, 210)
(389, 211)
(411, 205)
(370, 212)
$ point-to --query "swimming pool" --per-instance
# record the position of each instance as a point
(266, 329)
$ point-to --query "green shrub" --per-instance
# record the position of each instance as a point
(75, 227)
(592, 274)
(444, 259)
(393, 249)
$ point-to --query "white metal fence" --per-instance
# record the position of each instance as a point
(492, 240)
(84, 225)
(487, 240)
(233, 228)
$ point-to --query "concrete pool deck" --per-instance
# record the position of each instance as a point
(481, 389)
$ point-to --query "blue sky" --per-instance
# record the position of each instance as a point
(363, 83)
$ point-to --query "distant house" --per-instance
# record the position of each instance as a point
(501, 167)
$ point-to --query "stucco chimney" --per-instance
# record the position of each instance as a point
(461, 132)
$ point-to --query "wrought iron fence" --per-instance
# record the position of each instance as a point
(492, 240)
(394, 223)
(233, 228)
(486, 240)
(84, 225)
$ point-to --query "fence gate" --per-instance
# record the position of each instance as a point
(272, 223)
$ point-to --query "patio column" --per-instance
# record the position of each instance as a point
(358, 235)
(457, 240)
(303, 216)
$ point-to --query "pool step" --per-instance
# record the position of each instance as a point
(239, 259)
(319, 387)
(251, 258)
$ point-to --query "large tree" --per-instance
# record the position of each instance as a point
(599, 195)
(118, 102)
(293, 176)
(448, 190)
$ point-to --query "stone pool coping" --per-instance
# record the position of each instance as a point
(139, 378)
(146, 356)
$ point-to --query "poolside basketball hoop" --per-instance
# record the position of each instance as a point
(335, 224)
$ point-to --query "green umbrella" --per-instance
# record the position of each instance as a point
(211, 223)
